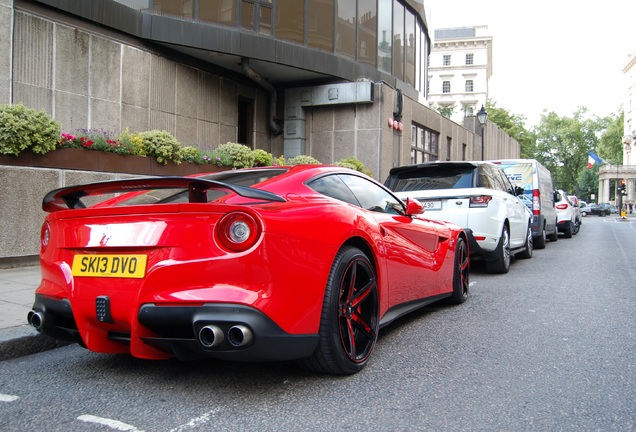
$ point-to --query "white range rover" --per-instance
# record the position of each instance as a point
(477, 196)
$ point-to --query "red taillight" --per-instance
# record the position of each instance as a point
(561, 206)
(480, 200)
(536, 202)
(45, 236)
(238, 231)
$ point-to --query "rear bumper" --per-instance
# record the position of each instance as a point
(175, 331)
(476, 251)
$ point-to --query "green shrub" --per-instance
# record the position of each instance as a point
(192, 155)
(233, 155)
(262, 158)
(162, 146)
(133, 140)
(302, 160)
(23, 128)
(355, 164)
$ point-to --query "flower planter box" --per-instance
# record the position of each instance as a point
(87, 160)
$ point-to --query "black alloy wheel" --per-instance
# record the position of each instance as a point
(349, 322)
(461, 273)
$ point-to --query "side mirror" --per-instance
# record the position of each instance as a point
(519, 190)
(413, 207)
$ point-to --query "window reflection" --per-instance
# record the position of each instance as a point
(346, 28)
(290, 20)
(398, 40)
(385, 34)
(320, 24)
(367, 33)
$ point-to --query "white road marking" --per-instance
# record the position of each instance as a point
(8, 398)
(197, 421)
(113, 424)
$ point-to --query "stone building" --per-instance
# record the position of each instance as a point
(327, 78)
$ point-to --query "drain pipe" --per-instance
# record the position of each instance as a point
(251, 74)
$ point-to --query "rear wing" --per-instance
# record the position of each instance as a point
(71, 197)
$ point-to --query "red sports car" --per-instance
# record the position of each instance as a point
(299, 263)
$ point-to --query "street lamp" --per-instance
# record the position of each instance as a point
(482, 116)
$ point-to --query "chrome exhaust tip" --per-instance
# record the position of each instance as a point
(239, 336)
(211, 336)
(36, 319)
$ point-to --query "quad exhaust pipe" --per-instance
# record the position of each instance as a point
(211, 336)
(36, 319)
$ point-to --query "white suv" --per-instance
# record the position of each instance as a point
(477, 196)
(567, 222)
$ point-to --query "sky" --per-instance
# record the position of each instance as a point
(554, 55)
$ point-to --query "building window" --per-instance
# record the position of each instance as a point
(449, 146)
(385, 35)
(424, 144)
(446, 87)
(320, 24)
(409, 40)
(222, 12)
(469, 86)
(468, 111)
(446, 59)
(398, 40)
(463, 152)
(367, 32)
(290, 20)
(346, 28)
(469, 59)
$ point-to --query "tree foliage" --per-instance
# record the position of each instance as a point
(563, 144)
(514, 126)
(611, 148)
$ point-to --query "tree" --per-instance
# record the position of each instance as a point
(446, 110)
(514, 126)
(563, 144)
(611, 146)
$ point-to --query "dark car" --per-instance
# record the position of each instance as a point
(600, 209)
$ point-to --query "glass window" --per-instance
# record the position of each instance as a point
(447, 59)
(332, 186)
(320, 24)
(469, 86)
(371, 196)
(247, 15)
(418, 56)
(385, 34)
(367, 32)
(290, 20)
(346, 28)
(265, 13)
(469, 59)
(180, 8)
(446, 88)
(398, 40)
(221, 12)
(433, 177)
(409, 31)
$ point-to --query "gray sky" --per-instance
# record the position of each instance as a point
(550, 54)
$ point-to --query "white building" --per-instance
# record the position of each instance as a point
(460, 65)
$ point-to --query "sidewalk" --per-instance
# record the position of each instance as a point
(17, 293)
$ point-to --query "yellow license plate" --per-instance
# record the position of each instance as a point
(116, 266)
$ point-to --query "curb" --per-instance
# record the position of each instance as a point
(23, 341)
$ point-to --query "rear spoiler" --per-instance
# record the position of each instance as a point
(71, 197)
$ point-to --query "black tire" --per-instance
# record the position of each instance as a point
(349, 322)
(461, 273)
(555, 235)
(527, 252)
(576, 228)
(539, 241)
(501, 264)
(567, 232)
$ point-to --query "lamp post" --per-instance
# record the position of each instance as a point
(482, 116)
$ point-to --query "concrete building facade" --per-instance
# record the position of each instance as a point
(610, 175)
(326, 78)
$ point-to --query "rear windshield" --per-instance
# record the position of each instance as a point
(240, 178)
(432, 178)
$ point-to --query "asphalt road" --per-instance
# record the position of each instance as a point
(548, 347)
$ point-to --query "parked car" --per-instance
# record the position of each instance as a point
(275, 263)
(578, 214)
(536, 181)
(476, 196)
(566, 218)
(585, 208)
(600, 209)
